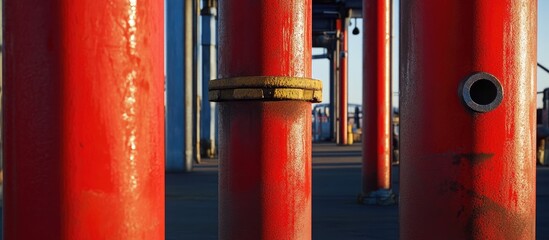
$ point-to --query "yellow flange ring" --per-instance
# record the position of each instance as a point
(265, 88)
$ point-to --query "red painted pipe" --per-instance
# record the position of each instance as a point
(83, 119)
(343, 115)
(376, 158)
(265, 146)
(468, 146)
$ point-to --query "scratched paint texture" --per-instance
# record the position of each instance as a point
(84, 139)
(265, 146)
(467, 175)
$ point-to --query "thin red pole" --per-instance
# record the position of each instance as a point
(83, 119)
(376, 173)
(343, 115)
(468, 123)
(265, 138)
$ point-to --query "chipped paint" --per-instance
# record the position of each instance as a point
(266, 88)
(466, 174)
(267, 94)
(265, 82)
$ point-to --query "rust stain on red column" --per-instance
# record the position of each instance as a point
(84, 126)
(468, 171)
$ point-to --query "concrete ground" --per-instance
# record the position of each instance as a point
(191, 200)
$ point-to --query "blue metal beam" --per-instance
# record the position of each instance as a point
(176, 142)
(209, 71)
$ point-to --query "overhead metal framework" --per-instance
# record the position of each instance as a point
(325, 14)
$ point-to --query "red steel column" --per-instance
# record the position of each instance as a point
(342, 26)
(265, 145)
(83, 119)
(376, 170)
(468, 105)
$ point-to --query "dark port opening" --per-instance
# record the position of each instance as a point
(483, 92)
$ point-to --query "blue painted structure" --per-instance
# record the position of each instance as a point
(177, 158)
(209, 72)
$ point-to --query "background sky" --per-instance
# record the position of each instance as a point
(321, 66)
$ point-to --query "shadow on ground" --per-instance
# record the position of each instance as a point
(191, 200)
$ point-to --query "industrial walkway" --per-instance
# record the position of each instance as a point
(191, 200)
(191, 207)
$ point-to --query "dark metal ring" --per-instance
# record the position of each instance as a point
(481, 98)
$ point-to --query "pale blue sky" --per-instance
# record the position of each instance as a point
(321, 67)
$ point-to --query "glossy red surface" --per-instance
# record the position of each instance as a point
(343, 80)
(467, 175)
(274, 38)
(265, 170)
(265, 147)
(376, 158)
(83, 119)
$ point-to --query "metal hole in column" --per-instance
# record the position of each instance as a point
(481, 92)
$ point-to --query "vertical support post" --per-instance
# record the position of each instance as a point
(265, 92)
(188, 88)
(545, 109)
(195, 81)
(1, 116)
(332, 117)
(174, 86)
(468, 119)
(543, 132)
(84, 125)
(209, 72)
(335, 75)
(343, 115)
(331, 107)
(178, 88)
(376, 99)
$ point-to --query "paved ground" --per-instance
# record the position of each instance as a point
(191, 200)
(336, 214)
